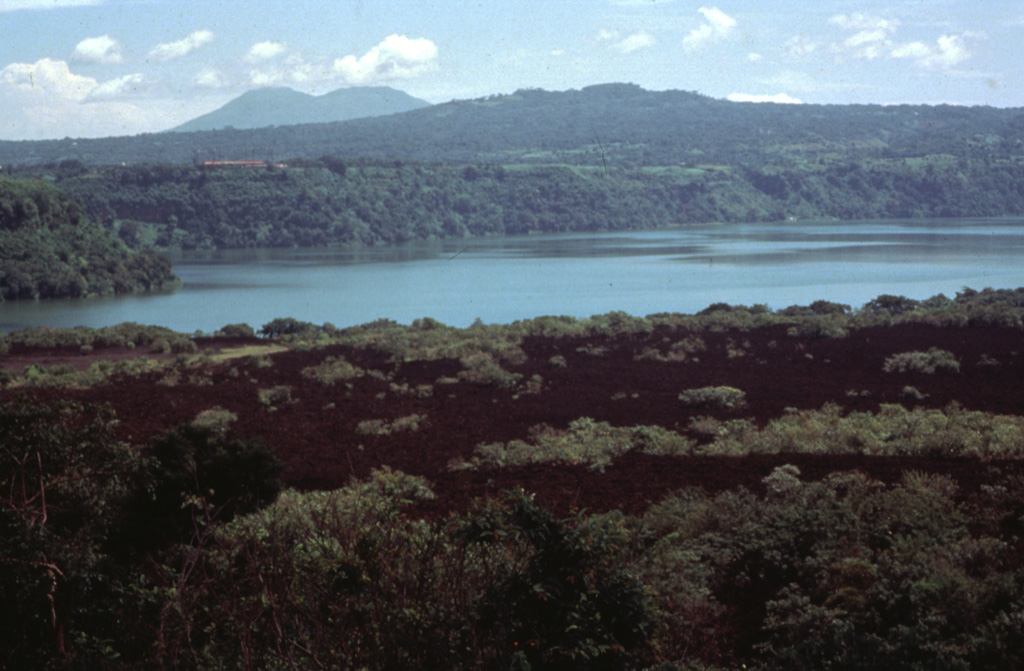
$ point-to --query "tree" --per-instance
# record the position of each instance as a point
(63, 483)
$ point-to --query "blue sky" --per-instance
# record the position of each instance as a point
(89, 68)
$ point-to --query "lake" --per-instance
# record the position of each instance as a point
(504, 279)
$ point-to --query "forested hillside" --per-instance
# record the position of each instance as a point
(49, 249)
(615, 125)
(331, 202)
(608, 157)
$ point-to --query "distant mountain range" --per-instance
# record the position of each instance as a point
(281, 106)
(608, 125)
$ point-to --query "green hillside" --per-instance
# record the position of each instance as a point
(613, 125)
(49, 249)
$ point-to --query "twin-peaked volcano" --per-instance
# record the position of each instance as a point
(281, 106)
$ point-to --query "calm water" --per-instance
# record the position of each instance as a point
(502, 280)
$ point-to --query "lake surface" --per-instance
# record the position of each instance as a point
(505, 279)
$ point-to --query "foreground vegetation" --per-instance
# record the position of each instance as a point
(184, 549)
(185, 555)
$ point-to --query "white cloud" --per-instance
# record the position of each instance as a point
(210, 78)
(949, 51)
(397, 57)
(871, 38)
(716, 27)
(800, 46)
(118, 87)
(13, 5)
(103, 49)
(44, 79)
(264, 51)
(860, 21)
(171, 50)
(778, 98)
(628, 44)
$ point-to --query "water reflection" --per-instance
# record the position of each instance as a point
(504, 279)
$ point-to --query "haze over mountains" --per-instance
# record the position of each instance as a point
(282, 106)
(606, 125)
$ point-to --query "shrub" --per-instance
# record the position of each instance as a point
(585, 441)
(935, 360)
(283, 326)
(197, 475)
(331, 370)
(236, 331)
(382, 427)
(719, 398)
(215, 419)
(481, 368)
(887, 304)
(281, 393)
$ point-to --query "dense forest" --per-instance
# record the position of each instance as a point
(334, 202)
(50, 249)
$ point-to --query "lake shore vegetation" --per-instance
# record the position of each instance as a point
(50, 249)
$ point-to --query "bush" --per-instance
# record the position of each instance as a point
(237, 331)
(719, 398)
(585, 441)
(281, 393)
(935, 360)
(197, 475)
(331, 370)
(381, 427)
(283, 326)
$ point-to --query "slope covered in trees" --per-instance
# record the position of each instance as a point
(49, 249)
(331, 202)
(609, 125)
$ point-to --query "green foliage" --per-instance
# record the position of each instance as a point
(126, 335)
(718, 398)
(935, 360)
(382, 427)
(49, 249)
(843, 573)
(287, 326)
(215, 419)
(893, 431)
(331, 370)
(64, 482)
(888, 304)
(275, 395)
(236, 331)
(198, 475)
(571, 606)
(585, 441)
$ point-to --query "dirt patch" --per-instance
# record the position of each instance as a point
(626, 381)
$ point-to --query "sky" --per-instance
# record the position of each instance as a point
(94, 68)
